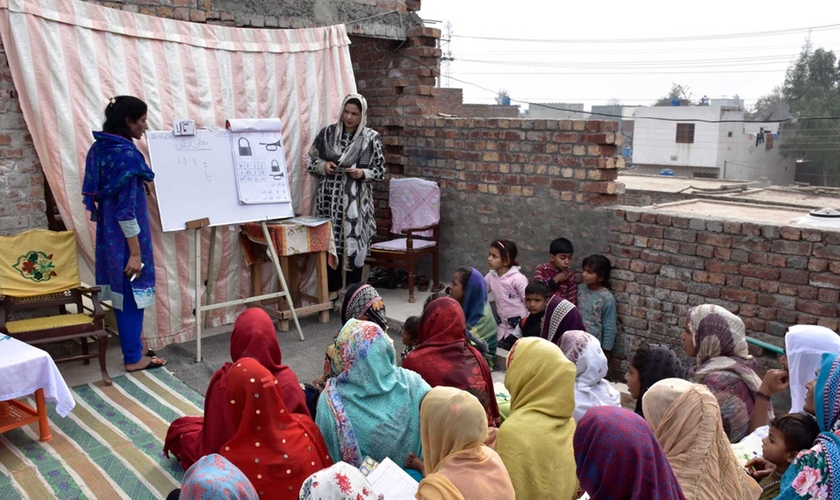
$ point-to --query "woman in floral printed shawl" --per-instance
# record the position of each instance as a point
(716, 339)
(372, 408)
(815, 473)
(342, 481)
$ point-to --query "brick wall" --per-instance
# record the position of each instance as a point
(525, 180)
(376, 18)
(451, 102)
(22, 204)
(771, 276)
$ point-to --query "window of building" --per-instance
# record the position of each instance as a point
(685, 133)
(729, 134)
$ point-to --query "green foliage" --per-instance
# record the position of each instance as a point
(811, 89)
(680, 92)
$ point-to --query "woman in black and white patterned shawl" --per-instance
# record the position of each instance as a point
(348, 157)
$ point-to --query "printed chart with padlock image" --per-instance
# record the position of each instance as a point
(260, 162)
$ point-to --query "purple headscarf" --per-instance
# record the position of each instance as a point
(724, 365)
(618, 458)
(560, 317)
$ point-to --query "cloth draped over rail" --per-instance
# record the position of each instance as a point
(68, 57)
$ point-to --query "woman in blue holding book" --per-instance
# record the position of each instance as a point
(114, 192)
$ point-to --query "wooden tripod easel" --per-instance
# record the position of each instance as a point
(208, 306)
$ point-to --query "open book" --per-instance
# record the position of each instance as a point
(391, 481)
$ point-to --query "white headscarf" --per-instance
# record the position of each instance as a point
(591, 390)
(804, 347)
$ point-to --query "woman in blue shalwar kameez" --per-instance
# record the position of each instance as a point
(114, 193)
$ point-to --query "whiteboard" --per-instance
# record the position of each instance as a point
(195, 178)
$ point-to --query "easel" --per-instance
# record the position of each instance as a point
(200, 318)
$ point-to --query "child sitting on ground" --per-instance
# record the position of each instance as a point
(789, 434)
(536, 298)
(409, 336)
(597, 304)
(556, 273)
(508, 286)
(470, 290)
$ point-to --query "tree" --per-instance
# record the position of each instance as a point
(615, 101)
(772, 106)
(812, 89)
(680, 92)
(502, 95)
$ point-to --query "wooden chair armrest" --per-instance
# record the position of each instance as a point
(410, 230)
(93, 292)
(3, 313)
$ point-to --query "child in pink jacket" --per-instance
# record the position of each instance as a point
(507, 284)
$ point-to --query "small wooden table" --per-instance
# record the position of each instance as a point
(294, 242)
(26, 370)
(14, 414)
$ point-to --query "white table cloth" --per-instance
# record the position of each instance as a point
(24, 369)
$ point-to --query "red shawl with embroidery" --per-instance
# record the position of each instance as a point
(254, 336)
(443, 356)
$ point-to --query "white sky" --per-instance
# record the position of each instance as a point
(748, 66)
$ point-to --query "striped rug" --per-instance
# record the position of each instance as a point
(110, 446)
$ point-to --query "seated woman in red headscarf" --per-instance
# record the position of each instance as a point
(276, 449)
(443, 356)
(190, 438)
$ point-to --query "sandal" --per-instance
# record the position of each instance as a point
(150, 353)
(153, 364)
(423, 283)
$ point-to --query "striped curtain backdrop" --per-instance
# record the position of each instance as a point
(69, 57)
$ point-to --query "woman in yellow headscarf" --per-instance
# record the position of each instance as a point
(453, 426)
(535, 442)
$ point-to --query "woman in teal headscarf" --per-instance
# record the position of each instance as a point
(372, 408)
(815, 473)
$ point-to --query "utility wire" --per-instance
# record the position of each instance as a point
(436, 72)
(728, 36)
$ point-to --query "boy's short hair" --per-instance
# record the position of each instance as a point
(599, 265)
(412, 325)
(799, 430)
(431, 298)
(561, 245)
(538, 288)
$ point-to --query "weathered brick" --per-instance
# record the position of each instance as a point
(745, 296)
(790, 233)
(716, 240)
(791, 247)
(817, 265)
(764, 273)
(825, 280)
(817, 308)
(794, 276)
(827, 295)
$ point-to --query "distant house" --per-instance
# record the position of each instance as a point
(557, 111)
(710, 142)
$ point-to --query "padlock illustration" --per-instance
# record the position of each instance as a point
(275, 166)
(244, 149)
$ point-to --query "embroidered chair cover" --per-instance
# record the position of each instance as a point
(38, 262)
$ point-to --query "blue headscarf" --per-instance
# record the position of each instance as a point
(111, 163)
(214, 477)
(475, 298)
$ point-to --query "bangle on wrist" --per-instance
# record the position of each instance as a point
(763, 396)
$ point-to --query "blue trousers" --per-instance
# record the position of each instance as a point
(130, 324)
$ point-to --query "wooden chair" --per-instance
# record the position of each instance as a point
(39, 270)
(415, 219)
